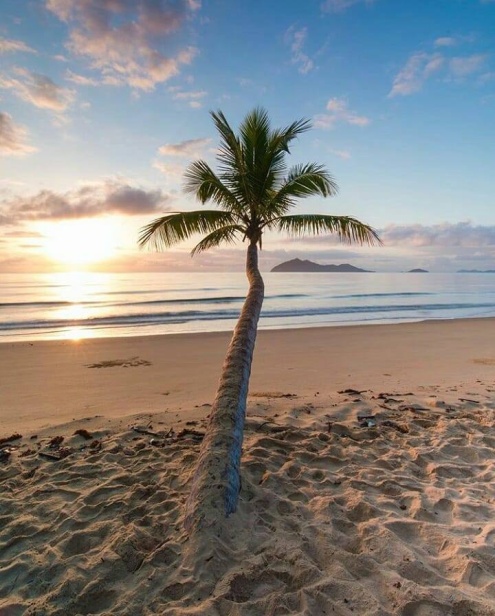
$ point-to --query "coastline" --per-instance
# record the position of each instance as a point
(49, 382)
(337, 514)
(107, 305)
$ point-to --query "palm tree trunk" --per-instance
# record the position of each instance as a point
(216, 482)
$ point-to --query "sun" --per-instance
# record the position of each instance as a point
(80, 242)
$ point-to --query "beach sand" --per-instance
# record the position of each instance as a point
(368, 479)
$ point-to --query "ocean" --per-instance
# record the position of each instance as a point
(83, 305)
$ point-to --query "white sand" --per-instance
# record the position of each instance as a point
(334, 518)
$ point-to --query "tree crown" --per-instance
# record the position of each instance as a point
(253, 189)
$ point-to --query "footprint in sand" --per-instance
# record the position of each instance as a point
(426, 608)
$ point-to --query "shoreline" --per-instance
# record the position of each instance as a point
(368, 475)
(55, 381)
(136, 333)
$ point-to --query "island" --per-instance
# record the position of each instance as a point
(475, 271)
(300, 265)
(418, 270)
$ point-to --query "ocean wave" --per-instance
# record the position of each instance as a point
(162, 318)
(152, 302)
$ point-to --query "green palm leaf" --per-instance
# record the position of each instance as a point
(173, 228)
(204, 183)
(347, 228)
(228, 235)
(284, 136)
(302, 181)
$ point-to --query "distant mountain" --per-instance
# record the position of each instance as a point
(476, 271)
(418, 270)
(298, 265)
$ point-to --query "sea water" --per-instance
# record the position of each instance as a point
(81, 305)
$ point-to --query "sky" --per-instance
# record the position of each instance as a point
(104, 103)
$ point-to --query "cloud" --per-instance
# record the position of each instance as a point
(461, 67)
(39, 90)
(190, 95)
(91, 200)
(170, 170)
(124, 39)
(338, 6)
(419, 67)
(422, 65)
(296, 39)
(193, 98)
(445, 41)
(191, 148)
(444, 235)
(13, 138)
(339, 112)
(80, 80)
(11, 45)
(343, 154)
(461, 234)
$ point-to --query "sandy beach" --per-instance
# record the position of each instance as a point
(368, 474)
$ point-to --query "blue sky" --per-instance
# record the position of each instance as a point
(103, 103)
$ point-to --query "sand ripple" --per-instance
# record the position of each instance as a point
(335, 518)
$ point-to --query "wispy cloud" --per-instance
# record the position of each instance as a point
(193, 98)
(422, 66)
(467, 65)
(191, 148)
(339, 112)
(419, 67)
(338, 6)
(190, 95)
(296, 39)
(445, 41)
(343, 154)
(39, 90)
(463, 234)
(444, 235)
(124, 39)
(80, 80)
(12, 45)
(88, 201)
(170, 170)
(13, 138)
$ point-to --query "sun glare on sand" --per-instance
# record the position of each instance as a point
(80, 242)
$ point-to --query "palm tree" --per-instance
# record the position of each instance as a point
(254, 191)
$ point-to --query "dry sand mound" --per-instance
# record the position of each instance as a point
(392, 513)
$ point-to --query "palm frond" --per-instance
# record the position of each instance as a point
(205, 185)
(173, 228)
(232, 160)
(230, 150)
(223, 235)
(255, 135)
(289, 133)
(305, 180)
(347, 228)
